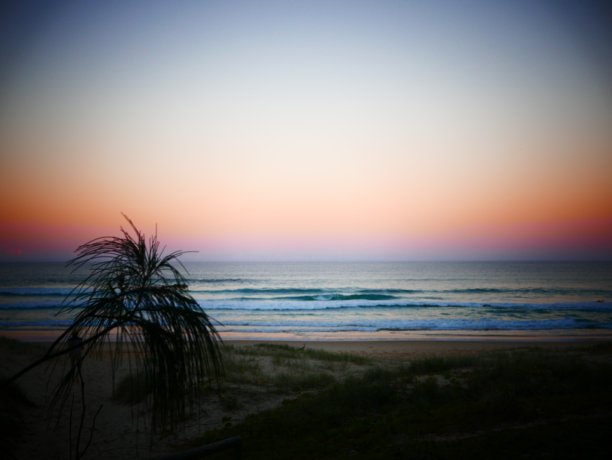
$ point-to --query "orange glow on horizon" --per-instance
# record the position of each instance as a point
(383, 130)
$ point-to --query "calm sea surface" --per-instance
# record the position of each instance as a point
(332, 300)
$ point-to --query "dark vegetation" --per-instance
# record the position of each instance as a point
(277, 368)
(13, 404)
(527, 403)
(503, 405)
(135, 296)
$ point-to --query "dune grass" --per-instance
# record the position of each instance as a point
(520, 404)
(527, 403)
(278, 368)
(299, 353)
(285, 367)
(14, 402)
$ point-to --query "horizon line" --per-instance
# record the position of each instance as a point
(344, 261)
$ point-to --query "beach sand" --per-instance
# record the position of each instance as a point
(120, 435)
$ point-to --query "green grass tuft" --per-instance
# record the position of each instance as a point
(531, 404)
(440, 364)
(294, 352)
(292, 381)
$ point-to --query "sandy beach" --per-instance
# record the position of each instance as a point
(355, 340)
(118, 434)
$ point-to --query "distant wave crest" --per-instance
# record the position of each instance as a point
(320, 305)
(35, 292)
(216, 280)
(307, 293)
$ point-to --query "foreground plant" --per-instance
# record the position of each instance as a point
(136, 296)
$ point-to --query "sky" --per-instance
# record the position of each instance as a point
(309, 130)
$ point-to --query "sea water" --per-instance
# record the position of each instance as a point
(339, 300)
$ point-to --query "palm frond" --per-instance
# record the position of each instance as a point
(135, 294)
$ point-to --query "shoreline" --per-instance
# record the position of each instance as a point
(349, 339)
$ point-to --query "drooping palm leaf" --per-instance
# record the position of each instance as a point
(135, 294)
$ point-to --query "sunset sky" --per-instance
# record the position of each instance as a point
(275, 130)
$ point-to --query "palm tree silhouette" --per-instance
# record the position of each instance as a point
(136, 296)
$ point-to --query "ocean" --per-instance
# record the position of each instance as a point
(351, 300)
